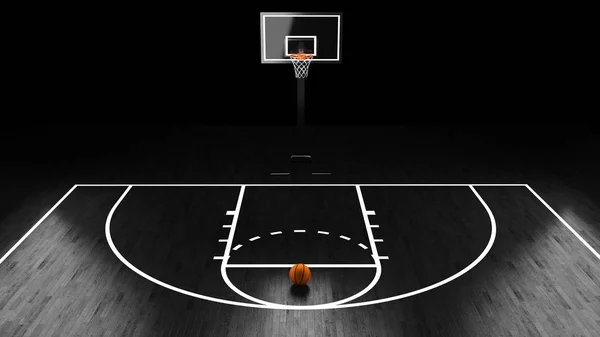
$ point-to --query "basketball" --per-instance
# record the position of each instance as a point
(299, 274)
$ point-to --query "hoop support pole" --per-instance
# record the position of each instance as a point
(300, 102)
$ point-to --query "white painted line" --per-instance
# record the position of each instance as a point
(368, 226)
(378, 240)
(115, 251)
(217, 257)
(333, 305)
(370, 212)
(16, 245)
(323, 232)
(363, 246)
(237, 247)
(280, 173)
(587, 245)
(222, 240)
(375, 254)
(276, 233)
(309, 265)
(344, 237)
(230, 213)
(236, 215)
(447, 280)
(255, 238)
(383, 258)
(224, 275)
(299, 231)
(299, 185)
(226, 226)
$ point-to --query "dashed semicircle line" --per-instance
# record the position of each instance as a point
(302, 231)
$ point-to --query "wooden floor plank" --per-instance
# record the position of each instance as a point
(538, 279)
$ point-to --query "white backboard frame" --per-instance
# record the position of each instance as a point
(263, 38)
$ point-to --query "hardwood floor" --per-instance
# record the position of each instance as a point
(536, 280)
(64, 280)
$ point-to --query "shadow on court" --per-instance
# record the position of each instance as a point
(300, 291)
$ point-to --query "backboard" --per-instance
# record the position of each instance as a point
(282, 34)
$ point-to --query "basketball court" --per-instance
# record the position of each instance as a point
(232, 245)
(198, 239)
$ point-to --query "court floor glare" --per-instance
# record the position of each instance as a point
(386, 259)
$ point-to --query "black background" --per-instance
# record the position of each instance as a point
(103, 86)
(400, 66)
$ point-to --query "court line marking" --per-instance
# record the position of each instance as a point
(231, 213)
(300, 185)
(253, 305)
(309, 265)
(446, 280)
(363, 246)
(152, 279)
(374, 255)
(299, 231)
(36, 225)
(328, 305)
(378, 240)
(585, 243)
(217, 257)
(222, 240)
(226, 226)
(384, 258)
(370, 212)
(237, 247)
(236, 215)
(374, 226)
(331, 305)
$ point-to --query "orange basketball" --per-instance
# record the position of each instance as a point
(299, 274)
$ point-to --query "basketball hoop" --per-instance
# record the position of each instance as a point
(301, 62)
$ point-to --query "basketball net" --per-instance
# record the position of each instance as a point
(301, 63)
